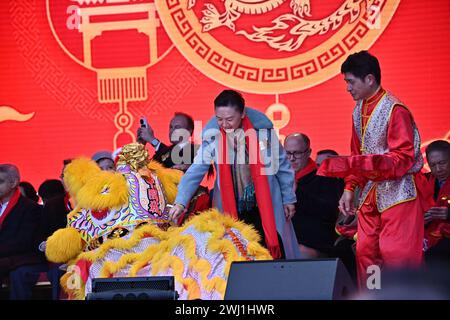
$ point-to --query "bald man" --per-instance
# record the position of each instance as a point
(317, 200)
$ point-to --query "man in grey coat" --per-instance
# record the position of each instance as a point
(255, 181)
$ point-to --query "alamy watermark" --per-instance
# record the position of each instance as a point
(374, 277)
(74, 280)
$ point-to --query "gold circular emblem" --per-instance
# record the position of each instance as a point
(272, 46)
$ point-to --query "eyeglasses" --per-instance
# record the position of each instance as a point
(296, 154)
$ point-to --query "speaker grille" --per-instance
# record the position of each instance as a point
(151, 283)
(133, 294)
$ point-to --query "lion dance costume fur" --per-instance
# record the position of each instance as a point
(119, 228)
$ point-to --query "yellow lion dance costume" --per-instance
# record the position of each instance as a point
(119, 228)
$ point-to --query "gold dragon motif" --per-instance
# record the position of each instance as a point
(288, 31)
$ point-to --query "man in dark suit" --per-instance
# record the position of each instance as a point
(180, 154)
(19, 222)
(317, 200)
(54, 216)
(437, 218)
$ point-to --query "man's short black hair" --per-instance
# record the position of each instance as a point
(29, 190)
(327, 151)
(362, 63)
(230, 98)
(189, 120)
(50, 189)
(438, 145)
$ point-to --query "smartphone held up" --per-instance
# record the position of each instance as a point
(144, 123)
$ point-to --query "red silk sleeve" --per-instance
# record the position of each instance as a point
(351, 181)
(392, 165)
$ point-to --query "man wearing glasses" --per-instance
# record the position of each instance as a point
(317, 200)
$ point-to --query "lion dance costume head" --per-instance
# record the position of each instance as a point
(120, 228)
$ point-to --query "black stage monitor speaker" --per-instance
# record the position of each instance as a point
(133, 288)
(321, 279)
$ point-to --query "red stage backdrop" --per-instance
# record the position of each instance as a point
(77, 74)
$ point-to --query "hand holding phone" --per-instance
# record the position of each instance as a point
(144, 132)
(144, 123)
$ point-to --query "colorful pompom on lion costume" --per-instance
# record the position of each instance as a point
(119, 228)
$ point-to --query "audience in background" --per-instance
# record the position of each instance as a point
(437, 218)
(104, 160)
(324, 154)
(27, 190)
(19, 223)
(181, 152)
(317, 200)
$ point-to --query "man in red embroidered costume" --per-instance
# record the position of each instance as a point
(385, 161)
(437, 219)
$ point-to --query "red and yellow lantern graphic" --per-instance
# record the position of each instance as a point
(117, 39)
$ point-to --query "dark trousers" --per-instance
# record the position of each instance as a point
(23, 279)
(343, 249)
(439, 252)
(253, 218)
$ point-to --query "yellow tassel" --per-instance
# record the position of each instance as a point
(63, 281)
(111, 268)
(143, 259)
(74, 292)
(73, 212)
(103, 190)
(192, 288)
(124, 244)
(169, 178)
(64, 245)
(78, 172)
(256, 250)
(217, 284)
